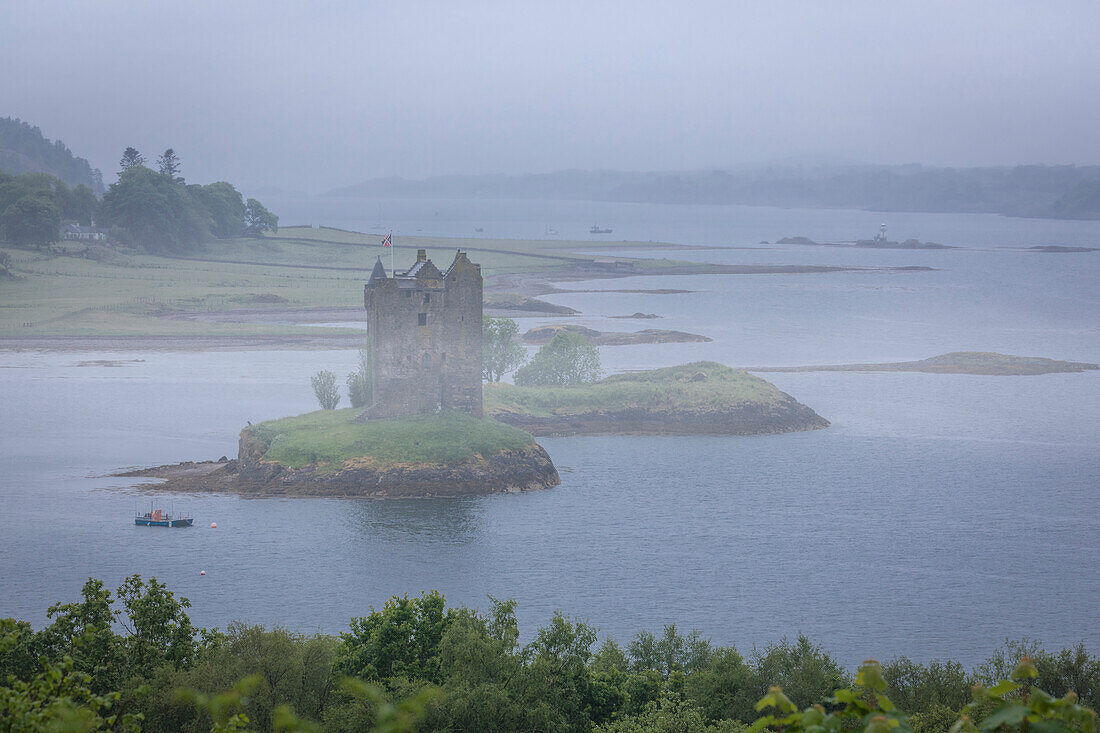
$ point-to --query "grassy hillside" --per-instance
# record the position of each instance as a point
(331, 440)
(699, 387)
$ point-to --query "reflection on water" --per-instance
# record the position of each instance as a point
(450, 522)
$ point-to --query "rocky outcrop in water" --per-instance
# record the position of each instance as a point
(528, 469)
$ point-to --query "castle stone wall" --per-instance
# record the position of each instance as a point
(424, 328)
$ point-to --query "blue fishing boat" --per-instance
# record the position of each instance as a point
(161, 518)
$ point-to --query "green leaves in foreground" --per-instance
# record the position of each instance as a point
(863, 707)
(1017, 705)
(1009, 705)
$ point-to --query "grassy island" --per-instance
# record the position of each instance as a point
(331, 440)
(701, 397)
(329, 453)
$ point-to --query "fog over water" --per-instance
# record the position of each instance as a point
(310, 96)
(938, 515)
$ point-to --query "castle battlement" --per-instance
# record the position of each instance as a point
(424, 328)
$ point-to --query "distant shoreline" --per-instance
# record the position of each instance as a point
(958, 362)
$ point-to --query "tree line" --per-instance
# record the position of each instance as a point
(133, 660)
(160, 212)
(155, 210)
(33, 205)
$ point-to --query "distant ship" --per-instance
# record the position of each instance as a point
(596, 230)
(161, 518)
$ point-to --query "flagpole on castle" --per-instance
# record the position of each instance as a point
(387, 241)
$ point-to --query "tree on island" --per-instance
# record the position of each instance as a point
(569, 359)
(500, 353)
(360, 392)
(168, 164)
(324, 387)
(258, 219)
(131, 158)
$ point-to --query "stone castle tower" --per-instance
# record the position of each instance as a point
(424, 328)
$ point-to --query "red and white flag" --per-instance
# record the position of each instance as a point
(387, 241)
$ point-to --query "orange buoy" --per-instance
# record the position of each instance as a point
(202, 572)
(213, 525)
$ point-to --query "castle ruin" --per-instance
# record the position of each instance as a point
(424, 328)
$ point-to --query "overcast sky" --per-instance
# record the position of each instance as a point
(323, 94)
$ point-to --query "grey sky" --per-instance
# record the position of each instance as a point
(321, 94)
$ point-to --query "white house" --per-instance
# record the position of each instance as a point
(75, 231)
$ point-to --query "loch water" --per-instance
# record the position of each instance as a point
(938, 515)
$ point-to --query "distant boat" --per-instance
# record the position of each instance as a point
(161, 518)
(551, 231)
(479, 229)
(596, 230)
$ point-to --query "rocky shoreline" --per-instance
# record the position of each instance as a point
(528, 469)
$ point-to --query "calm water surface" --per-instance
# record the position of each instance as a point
(937, 516)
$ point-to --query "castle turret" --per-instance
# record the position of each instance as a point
(379, 271)
(424, 328)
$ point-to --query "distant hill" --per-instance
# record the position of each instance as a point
(23, 149)
(1063, 191)
(1080, 202)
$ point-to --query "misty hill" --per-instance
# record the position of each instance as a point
(1064, 191)
(24, 149)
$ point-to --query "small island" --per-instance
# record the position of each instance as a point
(331, 453)
(544, 334)
(699, 398)
(956, 362)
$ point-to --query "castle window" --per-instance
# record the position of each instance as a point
(427, 298)
(408, 293)
(422, 319)
(443, 356)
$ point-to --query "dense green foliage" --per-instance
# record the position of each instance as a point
(225, 206)
(23, 149)
(416, 664)
(33, 205)
(702, 386)
(258, 219)
(157, 211)
(500, 352)
(332, 437)
(568, 360)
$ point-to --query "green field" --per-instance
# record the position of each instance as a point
(330, 440)
(700, 387)
(108, 292)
